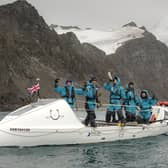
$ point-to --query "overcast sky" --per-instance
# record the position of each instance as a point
(101, 14)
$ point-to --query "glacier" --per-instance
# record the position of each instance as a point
(108, 41)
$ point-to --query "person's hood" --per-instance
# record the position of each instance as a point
(89, 83)
(145, 91)
(68, 81)
(128, 88)
(118, 80)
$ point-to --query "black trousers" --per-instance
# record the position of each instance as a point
(112, 114)
(130, 116)
(90, 118)
(142, 121)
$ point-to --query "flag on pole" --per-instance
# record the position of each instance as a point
(34, 88)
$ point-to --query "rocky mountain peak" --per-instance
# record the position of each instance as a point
(18, 7)
(20, 15)
(22, 3)
(131, 24)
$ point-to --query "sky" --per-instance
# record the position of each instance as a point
(101, 14)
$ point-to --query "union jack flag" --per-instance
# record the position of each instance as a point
(34, 88)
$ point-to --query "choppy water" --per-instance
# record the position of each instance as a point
(141, 153)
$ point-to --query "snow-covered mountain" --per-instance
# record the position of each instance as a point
(108, 41)
(161, 30)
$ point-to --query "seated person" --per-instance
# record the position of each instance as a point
(145, 104)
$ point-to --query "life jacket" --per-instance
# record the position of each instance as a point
(115, 93)
(130, 98)
(145, 104)
(95, 97)
(94, 93)
(68, 95)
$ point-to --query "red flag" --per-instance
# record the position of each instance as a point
(34, 88)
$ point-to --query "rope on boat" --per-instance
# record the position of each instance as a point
(104, 105)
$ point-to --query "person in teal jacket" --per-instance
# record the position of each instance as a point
(145, 104)
(68, 92)
(131, 102)
(117, 95)
(91, 95)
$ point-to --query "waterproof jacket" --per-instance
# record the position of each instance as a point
(131, 101)
(145, 105)
(90, 92)
(117, 95)
(68, 93)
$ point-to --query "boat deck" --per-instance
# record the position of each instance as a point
(101, 123)
(29, 107)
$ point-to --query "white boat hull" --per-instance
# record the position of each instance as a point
(47, 126)
(38, 137)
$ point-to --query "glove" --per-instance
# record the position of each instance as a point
(153, 97)
(84, 86)
(56, 82)
(98, 105)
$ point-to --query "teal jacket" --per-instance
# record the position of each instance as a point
(145, 105)
(131, 101)
(117, 94)
(90, 92)
(68, 93)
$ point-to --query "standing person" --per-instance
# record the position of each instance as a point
(131, 101)
(91, 93)
(145, 104)
(117, 95)
(68, 92)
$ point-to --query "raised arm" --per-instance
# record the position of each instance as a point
(57, 88)
(153, 101)
(79, 91)
(107, 86)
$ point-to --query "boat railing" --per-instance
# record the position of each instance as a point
(80, 103)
